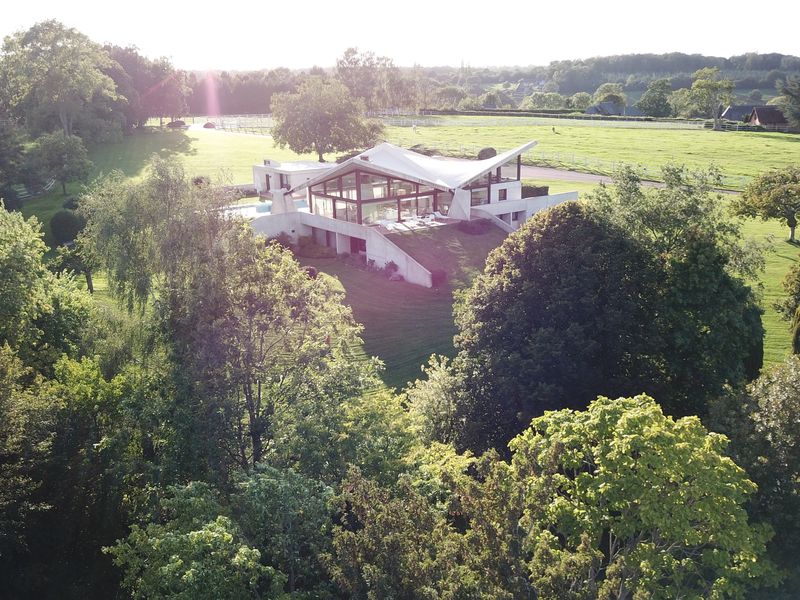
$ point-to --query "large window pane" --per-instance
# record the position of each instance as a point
(373, 212)
(402, 188)
(374, 186)
(323, 206)
(408, 208)
(509, 170)
(425, 205)
(480, 196)
(349, 186)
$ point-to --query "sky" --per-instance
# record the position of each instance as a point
(238, 35)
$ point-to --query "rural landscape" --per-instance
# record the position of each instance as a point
(374, 331)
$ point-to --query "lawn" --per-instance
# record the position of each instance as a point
(403, 323)
(738, 154)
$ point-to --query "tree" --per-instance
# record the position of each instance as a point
(65, 226)
(708, 315)
(558, 316)
(790, 99)
(368, 77)
(543, 100)
(11, 161)
(621, 501)
(655, 101)
(321, 117)
(710, 92)
(52, 70)
(761, 422)
(772, 195)
(610, 92)
(62, 157)
(195, 552)
(580, 101)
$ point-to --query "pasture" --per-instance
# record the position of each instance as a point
(405, 324)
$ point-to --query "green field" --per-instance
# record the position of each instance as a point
(737, 154)
(404, 324)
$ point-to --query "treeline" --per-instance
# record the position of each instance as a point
(215, 433)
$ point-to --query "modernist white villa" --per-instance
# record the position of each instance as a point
(352, 206)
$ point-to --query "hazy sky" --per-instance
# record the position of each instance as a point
(243, 34)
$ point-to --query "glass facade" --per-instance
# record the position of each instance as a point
(373, 212)
(480, 196)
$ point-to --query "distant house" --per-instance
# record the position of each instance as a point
(606, 109)
(739, 112)
(769, 117)
(611, 109)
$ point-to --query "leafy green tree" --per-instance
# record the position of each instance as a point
(393, 544)
(194, 551)
(27, 416)
(321, 117)
(62, 157)
(655, 101)
(371, 78)
(772, 195)
(790, 99)
(708, 316)
(65, 225)
(288, 518)
(11, 162)
(683, 105)
(559, 315)
(435, 400)
(710, 92)
(52, 70)
(610, 92)
(580, 101)
(621, 501)
(543, 100)
(761, 422)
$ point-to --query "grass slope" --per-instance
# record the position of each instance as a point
(403, 323)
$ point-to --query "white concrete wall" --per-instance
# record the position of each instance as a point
(382, 250)
(530, 206)
(513, 191)
(273, 225)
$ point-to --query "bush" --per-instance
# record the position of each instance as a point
(283, 239)
(201, 181)
(176, 124)
(70, 203)
(390, 267)
(209, 125)
(310, 271)
(532, 191)
(66, 225)
(487, 153)
(474, 226)
(438, 277)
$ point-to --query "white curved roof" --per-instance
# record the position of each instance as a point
(438, 172)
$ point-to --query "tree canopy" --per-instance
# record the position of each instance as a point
(772, 195)
(322, 117)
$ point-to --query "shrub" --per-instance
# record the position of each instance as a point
(310, 271)
(438, 277)
(201, 181)
(486, 153)
(176, 124)
(283, 239)
(390, 267)
(474, 226)
(532, 191)
(70, 203)
(209, 125)
(66, 225)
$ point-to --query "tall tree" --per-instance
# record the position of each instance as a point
(654, 102)
(11, 161)
(62, 157)
(52, 70)
(710, 92)
(321, 117)
(790, 101)
(772, 195)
